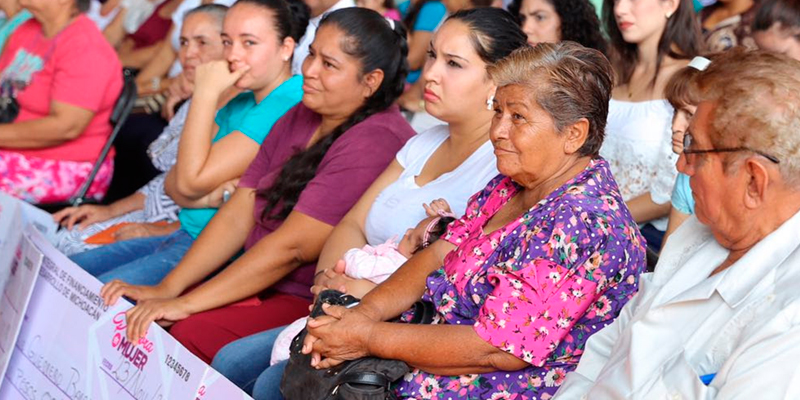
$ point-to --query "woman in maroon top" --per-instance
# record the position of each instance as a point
(314, 165)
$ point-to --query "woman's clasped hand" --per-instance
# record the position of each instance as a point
(342, 334)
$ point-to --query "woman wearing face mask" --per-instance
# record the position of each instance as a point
(315, 164)
(650, 41)
(550, 21)
(259, 37)
(200, 43)
(452, 161)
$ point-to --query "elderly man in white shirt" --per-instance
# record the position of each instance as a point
(720, 317)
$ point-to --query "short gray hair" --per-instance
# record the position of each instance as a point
(568, 81)
(757, 99)
(217, 11)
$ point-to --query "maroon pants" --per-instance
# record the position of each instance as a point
(207, 332)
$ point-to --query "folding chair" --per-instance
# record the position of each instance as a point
(119, 115)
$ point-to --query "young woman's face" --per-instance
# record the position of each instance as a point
(200, 42)
(457, 85)
(333, 83)
(680, 123)
(250, 40)
(640, 20)
(540, 21)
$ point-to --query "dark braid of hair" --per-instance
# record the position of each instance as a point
(377, 45)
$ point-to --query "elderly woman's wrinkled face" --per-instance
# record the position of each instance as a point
(715, 191)
(526, 143)
(200, 42)
(456, 83)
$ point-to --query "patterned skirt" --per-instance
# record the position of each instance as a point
(40, 180)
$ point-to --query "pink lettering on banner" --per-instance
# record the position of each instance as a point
(201, 392)
(119, 335)
(136, 356)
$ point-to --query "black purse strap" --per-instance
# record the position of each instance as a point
(365, 378)
(424, 311)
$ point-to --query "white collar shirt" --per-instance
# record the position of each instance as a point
(742, 325)
(301, 51)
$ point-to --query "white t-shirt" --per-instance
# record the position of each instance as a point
(399, 206)
(301, 51)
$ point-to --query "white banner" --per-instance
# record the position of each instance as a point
(72, 346)
(20, 276)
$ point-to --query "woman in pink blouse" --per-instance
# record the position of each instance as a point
(66, 79)
(546, 254)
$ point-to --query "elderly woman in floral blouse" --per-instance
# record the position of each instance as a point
(546, 255)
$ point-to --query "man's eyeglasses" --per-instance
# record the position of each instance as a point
(688, 140)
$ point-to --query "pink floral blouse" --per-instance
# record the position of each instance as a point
(536, 288)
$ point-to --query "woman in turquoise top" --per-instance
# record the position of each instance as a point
(259, 37)
(422, 18)
(15, 16)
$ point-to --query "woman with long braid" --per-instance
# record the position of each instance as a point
(314, 165)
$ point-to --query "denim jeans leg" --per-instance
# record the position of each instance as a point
(268, 384)
(242, 361)
(151, 268)
(107, 258)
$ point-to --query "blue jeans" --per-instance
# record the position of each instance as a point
(141, 261)
(245, 362)
(653, 236)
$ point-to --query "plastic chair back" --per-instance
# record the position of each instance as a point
(122, 109)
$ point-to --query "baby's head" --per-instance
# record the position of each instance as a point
(680, 95)
(423, 235)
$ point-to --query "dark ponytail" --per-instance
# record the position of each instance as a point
(494, 32)
(290, 16)
(377, 44)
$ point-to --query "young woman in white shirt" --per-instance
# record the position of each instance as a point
(451, 161)
(650, 40)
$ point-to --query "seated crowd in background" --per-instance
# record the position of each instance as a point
(266, 162)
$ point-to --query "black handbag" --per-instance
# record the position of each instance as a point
(9, 107)
(367, 378)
